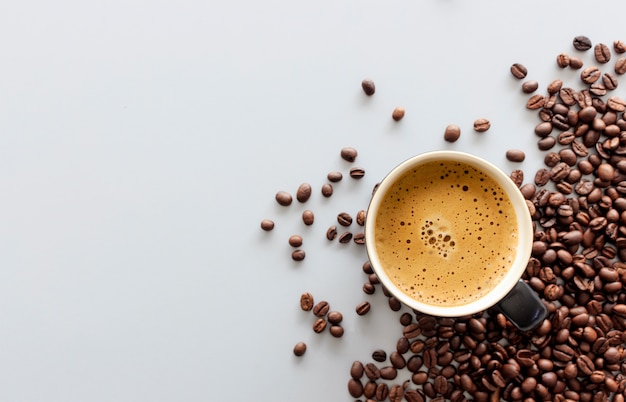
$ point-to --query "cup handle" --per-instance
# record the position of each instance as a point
(523, 307)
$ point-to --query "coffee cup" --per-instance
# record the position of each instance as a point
(449, 234)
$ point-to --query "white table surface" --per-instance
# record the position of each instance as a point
(142, 142)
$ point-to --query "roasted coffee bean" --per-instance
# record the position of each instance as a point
(542, 177)
(562, 60)
(547, 143)
(334, 317)
(308, 217)
(360, 217)
(345, 237)
(304, 192)
(357, 173)
(590, 75)
(616, 103)
(355, 388)
(398, 113)
(368, 87)
(298, 255)
(331, 233)
(515, 155)
(295, 240)
(319, 325)
(321, 308)
(369, 288)
(327, 190)
(306, 301)
(602, 53)
(267, 224)
(334, 176)
(359, 238)
(619, 46)
(519, 71)
(567, 96)
(529, 87)
(543, 129)
(363, 308)
(582, 43)
(412, 331)
(372, 371)
(367, 267)
(555, 86)
(517, 176)
(394, 303)
(397, 360)
(575, 62)
(388, 373)
(452, 133)
(536, 102)
(481, 125)
(609, 81)
(284, 198)
(336, 331)
(348, 154)
(357, 369)
(299, 349)
(344, 219)
(379, 355)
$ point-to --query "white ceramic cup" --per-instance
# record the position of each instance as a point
(531, 312)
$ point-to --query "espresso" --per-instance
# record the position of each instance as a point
(446, 233)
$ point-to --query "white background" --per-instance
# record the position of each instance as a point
(142, 142)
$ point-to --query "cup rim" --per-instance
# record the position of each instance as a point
(524, 245)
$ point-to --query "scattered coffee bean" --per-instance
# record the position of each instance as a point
(298, 255)
(575, 62)
(321, 308)
(620, 65)
(267, 224)
(308, 217)
(452, 133)
(336, 331)
(562, 60)
(529, 87)
(602, 53)
(359, 238)
(357, 173)
(334, 317)
(299, 349)
(519, 71)
(515, 155)
(360, 217)
(481, 125)
(345, 237)
(304, 192)
(319, 325)
(582, 43)
(327, 190)
(348, 154)
(619, 46)
(334, 176)
(295, 240)
(306, 301)
(355, 388)
(344, 219)
(363, 308)
(398, 113)
(284, 198)
(517, 176)
(368, 87)
(590, 75)
(331, 233)
(379, 355)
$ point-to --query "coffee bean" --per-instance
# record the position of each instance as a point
(452, 133)
(481, 125)
(348, 154)
(357, 369)
(517, 176)
(327, 190)
(334, 317)
(543, 129)
(331, 233)
(590, 75)
(515, 155)
(368, 87)
(345, 237)
(582, 43)
(369, 288)
(334, 176)
(319, 325)
(397, 360)
(562, 60)
(360, 217)
(575, 62)
(529, 87)
(555, 86)
(359, 238)
(306, 301)
(363, 308)
(298, 255)
(336, 331)
(295, 240)
(321, 308)
(304, 192)
(616, 103)
(398, 113)
(609, 81)
(299, 349)
(372, 372)
(344, 219)
(620, 65)
(284, 198)
(308, 217)
(355, 388)
(357, 173)
(602, 53)
(536, 102)
(519, 71)
(267, 224)
(382, 391)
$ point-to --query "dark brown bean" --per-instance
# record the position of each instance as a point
(284, 198)
(452, 133)
(363, 308)
(368, 87)
(357, 173)
(267, 224)
(481, 125)
(304, 192)
(519, 71)
(515, 155)
(602, 53)
(348, 154)
(308, 217)
(299, 349)
(327, 190)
